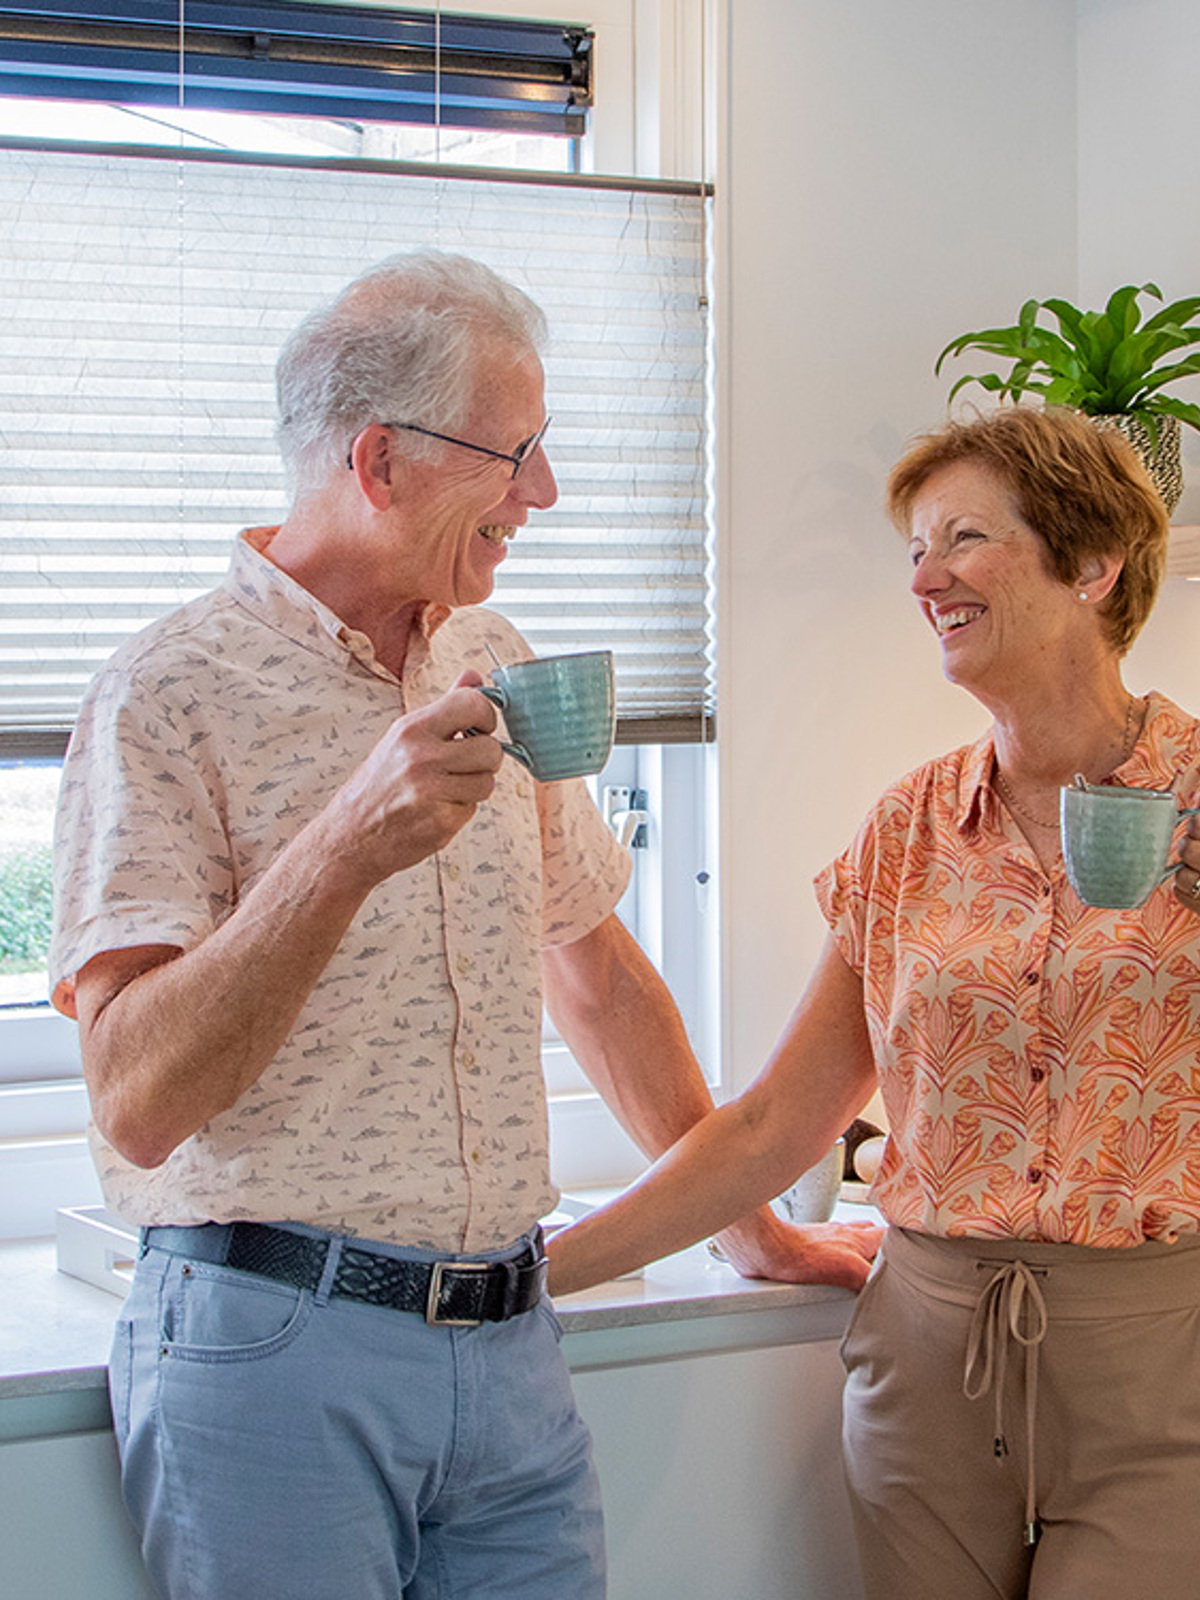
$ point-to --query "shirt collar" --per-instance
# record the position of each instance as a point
(975, 792)
(286, 605)
(1162, 750)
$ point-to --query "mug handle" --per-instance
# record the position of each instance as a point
(519, 753)
(500, 700)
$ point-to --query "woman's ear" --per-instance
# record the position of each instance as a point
(1097, 577)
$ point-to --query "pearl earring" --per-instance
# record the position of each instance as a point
(1083, 594)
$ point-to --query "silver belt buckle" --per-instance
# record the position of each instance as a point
(440, 1268)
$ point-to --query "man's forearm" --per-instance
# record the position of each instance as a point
(624, 1029)
(619, 1019)
(615, 1012)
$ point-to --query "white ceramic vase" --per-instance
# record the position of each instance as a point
(815, 1193)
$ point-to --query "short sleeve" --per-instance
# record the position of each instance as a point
(141, 854)
(584, 869)
(857, 891)
(843, 905)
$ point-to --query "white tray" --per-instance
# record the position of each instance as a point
(96, 1246)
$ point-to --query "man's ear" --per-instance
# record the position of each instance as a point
(373, 462)
(1097, 576)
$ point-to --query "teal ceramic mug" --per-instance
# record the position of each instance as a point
(1116, 841)
(560, 712)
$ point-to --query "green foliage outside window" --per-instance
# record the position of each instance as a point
(25, 905)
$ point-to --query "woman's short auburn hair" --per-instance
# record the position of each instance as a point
(1082, 489)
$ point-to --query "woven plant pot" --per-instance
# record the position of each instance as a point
(1163, 461)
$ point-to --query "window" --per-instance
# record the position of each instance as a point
(671, 906)
(343, 61)
(27, 795)
(156, 253)
(146, 297)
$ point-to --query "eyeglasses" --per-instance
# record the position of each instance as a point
(518, 458)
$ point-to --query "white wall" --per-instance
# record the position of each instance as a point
(1139, 221)
(889, 176)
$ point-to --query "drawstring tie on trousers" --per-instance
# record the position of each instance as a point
(1011, 1307)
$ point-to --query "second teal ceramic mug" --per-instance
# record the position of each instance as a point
(1116, 841)
(560, 712)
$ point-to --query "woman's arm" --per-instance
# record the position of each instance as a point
(818, 1078)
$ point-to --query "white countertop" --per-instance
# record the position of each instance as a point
(55, 1330)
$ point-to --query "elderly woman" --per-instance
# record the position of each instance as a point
(1022, 1413)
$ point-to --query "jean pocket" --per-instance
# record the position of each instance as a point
(545, 1310)
(218, 1314)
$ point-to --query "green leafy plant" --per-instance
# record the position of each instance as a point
(1099, 362)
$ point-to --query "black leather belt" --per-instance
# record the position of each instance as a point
(455, 1294)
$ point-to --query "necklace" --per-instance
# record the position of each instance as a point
(1128, 740)
(1014, 804)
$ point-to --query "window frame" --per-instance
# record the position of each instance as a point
(587, 1147)
(345, 60)
(45, 1159)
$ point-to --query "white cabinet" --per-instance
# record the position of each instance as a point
(722, 1476)
(64, 1530)
(714, 1404)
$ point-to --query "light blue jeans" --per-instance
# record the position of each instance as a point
(279, 1445)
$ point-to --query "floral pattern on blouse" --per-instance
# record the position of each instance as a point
(1039, 1059)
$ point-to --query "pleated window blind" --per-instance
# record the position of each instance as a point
(145, 297)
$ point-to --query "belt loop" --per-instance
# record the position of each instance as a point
(332, 1256)
(512, 1278)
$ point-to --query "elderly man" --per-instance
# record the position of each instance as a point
(304, 923)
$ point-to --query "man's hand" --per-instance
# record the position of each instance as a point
(764, 1246)
(422, 783)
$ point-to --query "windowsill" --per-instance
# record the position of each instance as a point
(55, 1330)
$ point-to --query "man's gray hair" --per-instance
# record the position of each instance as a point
(398, 344)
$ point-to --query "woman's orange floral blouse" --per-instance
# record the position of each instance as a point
(1039, 1060)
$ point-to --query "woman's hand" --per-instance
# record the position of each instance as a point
(1187, 877)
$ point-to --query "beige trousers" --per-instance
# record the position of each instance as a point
(993, 1385)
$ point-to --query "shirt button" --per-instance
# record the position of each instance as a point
(1031, 977)
(1037, 1073)
(452, 871)
(467, 1057)
(477, 1156)
(463, 963)
(1034, 1174)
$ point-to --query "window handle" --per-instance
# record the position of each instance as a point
(625, 825)
(626, 814)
